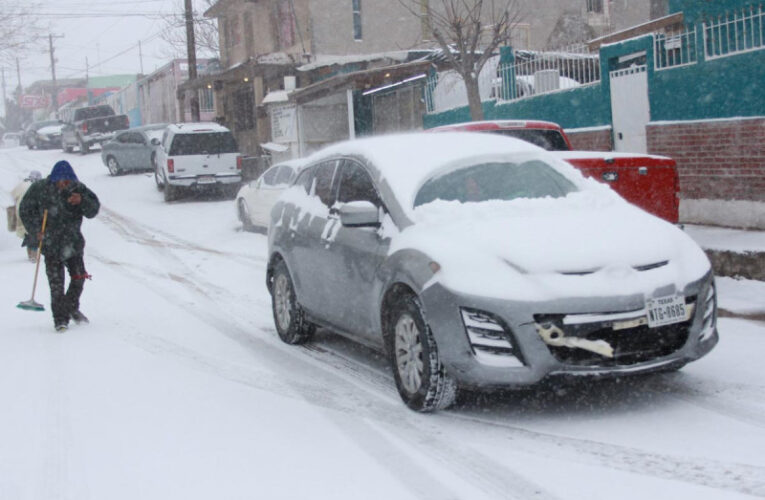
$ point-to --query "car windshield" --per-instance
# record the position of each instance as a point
(496, 180)
(207, 143)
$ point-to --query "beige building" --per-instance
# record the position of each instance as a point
(316, 44)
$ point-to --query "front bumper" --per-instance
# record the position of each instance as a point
(636, 347)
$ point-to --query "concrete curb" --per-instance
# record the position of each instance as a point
(749, 265)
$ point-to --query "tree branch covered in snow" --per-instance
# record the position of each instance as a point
(468, 32)
(205, 31)
(19, 28)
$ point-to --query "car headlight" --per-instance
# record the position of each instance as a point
(491, 342)
(710, 313)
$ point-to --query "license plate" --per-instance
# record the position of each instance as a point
(666, 310)
(205, 179)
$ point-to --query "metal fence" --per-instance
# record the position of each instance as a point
(674, 49)
(532, 73)
(741, 31)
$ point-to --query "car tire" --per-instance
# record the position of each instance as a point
(421, 378)
(67, 148)
(158, 180)
(113, 165)
(289, 318)
(171, 192)
(244, 215)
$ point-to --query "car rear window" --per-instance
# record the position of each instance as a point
(95, 112)
(551, 140)
(496, 181)
(211, 143)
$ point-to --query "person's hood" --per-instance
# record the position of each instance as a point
(62, 171)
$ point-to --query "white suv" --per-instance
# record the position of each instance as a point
(197, 156)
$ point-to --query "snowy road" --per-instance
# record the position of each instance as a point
(180, 388)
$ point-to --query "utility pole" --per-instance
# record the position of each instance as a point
(19, 89)
(192, 58)
(140, 56)
(5, 111)
(53, 70)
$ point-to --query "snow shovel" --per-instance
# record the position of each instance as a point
(31, 305)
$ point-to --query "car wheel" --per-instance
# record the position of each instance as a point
(84, 148)
(171, 192)
(291, 324)
(420, 376)
(244, 215)
(68, 149)
(158, 180)
(113, 165)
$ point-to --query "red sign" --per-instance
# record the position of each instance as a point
(34, 101)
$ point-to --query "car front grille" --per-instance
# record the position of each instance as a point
(637, 343)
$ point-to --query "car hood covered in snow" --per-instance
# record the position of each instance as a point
(583, 245)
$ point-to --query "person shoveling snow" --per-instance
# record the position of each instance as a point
(67, 201)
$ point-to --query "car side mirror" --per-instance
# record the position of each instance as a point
(155, 142)
(359, 214)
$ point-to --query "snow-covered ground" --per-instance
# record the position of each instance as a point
(180, 388)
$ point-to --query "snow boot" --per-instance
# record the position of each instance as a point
(62, 327)
(78, 317)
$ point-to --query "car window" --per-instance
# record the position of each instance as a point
(551, 140)
(122, 138)
(356, 185)
(305, 179)
(270, 176)
(136, 138)
(203, 143)
(496, 181)
(322, 185)
(284, 176)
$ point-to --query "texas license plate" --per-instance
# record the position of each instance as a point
(205, 179)
(665, 310)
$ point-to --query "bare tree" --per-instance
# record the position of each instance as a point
(20, 28)
(205, 31)
(468, 32)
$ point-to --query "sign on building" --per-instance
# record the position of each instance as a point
(283, 123)
(34, 101)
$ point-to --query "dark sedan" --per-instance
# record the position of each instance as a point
(43, 135)
(132, 149)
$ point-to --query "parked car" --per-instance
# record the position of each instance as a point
(650, 182)
(11, 139)
(482, 262)
(255, 199)
(87, 126)
(197, 156)
(133, 149)
(43, 134)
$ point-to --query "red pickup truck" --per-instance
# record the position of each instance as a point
(647, 181)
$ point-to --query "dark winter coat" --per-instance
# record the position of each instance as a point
(63, 238)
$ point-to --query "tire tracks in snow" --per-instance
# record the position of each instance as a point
(334, 370)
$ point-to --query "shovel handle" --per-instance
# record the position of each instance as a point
(39, 251)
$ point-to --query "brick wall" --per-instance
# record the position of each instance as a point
(590, 139)
(716, 159)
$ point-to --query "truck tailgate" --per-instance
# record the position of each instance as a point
(647, 181)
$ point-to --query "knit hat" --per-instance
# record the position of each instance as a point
(62, 171)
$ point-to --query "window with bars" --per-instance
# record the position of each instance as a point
(206, 100)
(356, 19)
(595, 6)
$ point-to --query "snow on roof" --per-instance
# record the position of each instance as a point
(197, 127)
(329, 60)
(406, 161)
(276, 96)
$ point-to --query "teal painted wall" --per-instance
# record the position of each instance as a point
(695, 11)
(719, 88)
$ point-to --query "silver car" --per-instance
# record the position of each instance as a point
(482, 262)
(133, 149)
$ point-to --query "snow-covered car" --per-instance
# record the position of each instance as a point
(133, 149)
(43, 135)
(197, 156)
(482, 262)
(11, 139)
(255, 199)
